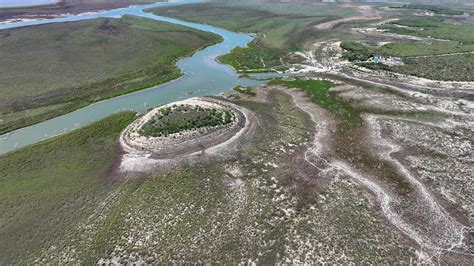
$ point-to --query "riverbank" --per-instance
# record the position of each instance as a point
(87, 61)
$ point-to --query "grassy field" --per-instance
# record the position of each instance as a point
(47, 187)
(454, 67)
(359, 51)
(433, 27)
(280, 27)
(253, 58)
(53, 69)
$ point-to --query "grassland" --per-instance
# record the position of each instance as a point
(47, 187)
(280, 27)
(254, 58)
(432, 27)
(359, 51)
(53, 69)
(454, 67)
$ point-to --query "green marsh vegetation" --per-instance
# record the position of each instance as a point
(45, 188)
(350, 128)
(54, 69)
(279, 27)
(181, 118)
(246, 91)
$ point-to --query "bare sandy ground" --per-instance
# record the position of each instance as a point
(368, 13)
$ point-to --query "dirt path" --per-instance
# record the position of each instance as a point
(368, 13)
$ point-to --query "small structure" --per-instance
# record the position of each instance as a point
(376, 58)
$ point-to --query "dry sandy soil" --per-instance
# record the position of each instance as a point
(368, 13)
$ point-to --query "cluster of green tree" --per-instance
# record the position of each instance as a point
(176, 119)
(355, 51)
(375, 66)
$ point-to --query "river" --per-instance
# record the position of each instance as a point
(203, 75)
(25, 3)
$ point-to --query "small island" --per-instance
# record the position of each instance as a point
(187, 130)
(181, 118)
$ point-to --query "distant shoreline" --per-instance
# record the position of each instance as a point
(52, 8)
(21, 4)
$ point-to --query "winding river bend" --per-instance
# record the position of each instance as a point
(203, 75)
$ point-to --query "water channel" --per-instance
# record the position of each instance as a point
(203, 75)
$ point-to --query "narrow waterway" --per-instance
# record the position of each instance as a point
(25, 3)
(203, 75)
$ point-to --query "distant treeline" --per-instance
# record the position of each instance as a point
(440, 10)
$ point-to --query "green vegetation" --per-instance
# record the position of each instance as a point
(253, 58)
(45, 188)
(206, 214)
(246, 91)
(53, 69)
(356, 51)
(433, 27)
(280, 27)
(453, 67)
(439, 10)
(350, 128)
(57, 207)
(180, 118)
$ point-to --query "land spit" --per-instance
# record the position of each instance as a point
(147, 153)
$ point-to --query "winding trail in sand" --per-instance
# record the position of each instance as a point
(368, 14)
(437, 233)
